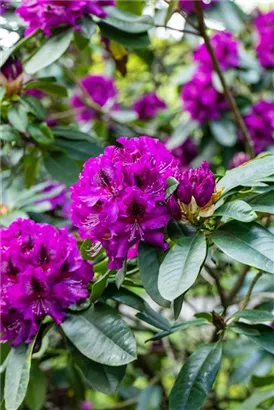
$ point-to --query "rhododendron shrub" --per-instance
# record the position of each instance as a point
(137, 202)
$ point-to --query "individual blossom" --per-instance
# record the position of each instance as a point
(260, 124)
(226, 48)
(189, 5)
(101, 91)
(200, 98)
(86, 405)
(185, 153)
(239, 159)
(119, 199)
(265, 46)
(42, 274)
(11, 76)
(148, 106)
(195, 195)
(49, 14)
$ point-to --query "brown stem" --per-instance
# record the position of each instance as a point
(229, 97)
(220, 290)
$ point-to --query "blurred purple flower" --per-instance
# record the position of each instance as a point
(226, 48)
(201, 99)
(48, 14)
(148, 106)
(86, 405)
(238, 159)
(42, 273)
(186, 152)
(265, 48)
(101, 91)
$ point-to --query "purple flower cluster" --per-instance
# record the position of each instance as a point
(196, 187)
(148, 106)
(265, 47)
(101, 91)
(42, 273)
(185, 153)
(226, 48)
(188, 5)
(119, 199)
(201, 99)
(48, 14)
(260, 124)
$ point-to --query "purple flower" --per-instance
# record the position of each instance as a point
(201, 99)
(260, 124)
(101, 91)
(42, 273)
(86, 405)
(148, 106)
(226, 48)
(196, 188)
(4, 6)
(119, 199)
(238, 159)
(11, 76)
(48, 14)
(186, 152)
(58, 199)
(188, 5)
(265, 47)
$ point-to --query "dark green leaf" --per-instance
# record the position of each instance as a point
(50, 88)
(121, 275)
(62, 168)
(17, 375)
(181, 266)
(101, 377)
(79, 150)
(224, 131)
(85, 250)
(181, 133)
(196, 378)
(263, 203)
(172, 185)
(41, 133)
(99, 287)
(53, 49)
(74, 134)
(128, 22)
(37, 389)
(132, 6)
(262, 381)
(18, 118)
(239, 210)
(250, 244)
(149, 264)
(254, 315)
(178, 327)
(177, 306)
(153, 318)
(100, 334)
(262, 335)
(34, 106)
(133, 41)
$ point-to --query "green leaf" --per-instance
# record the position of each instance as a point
(263, 203)
(262, 335)
(50, 88)
(70, 133)
(101, 377)
(178, 327)
(181, 266)
(50, 51)
(149, 259)
(255, 400)
(7, 133)
(34, 106)
(153, 318)
(172, 185)
(224, 132)
(37, 389)
(128, 22)
(181, 133)
(196, 378)
(2, 93)
(18, 118)
(99, 287)
(254, 315)
(62, 168)
(135, 7)
(177, 306)
(79, 150)
(132, 41)
(121, 275)
(85, 249)
(100, 334)
(253, 170)
(150, 398)
(41, 133)
(239, 210)
(248, 243)
(17, 375)
(262, 381)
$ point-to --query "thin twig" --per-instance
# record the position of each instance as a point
(237, 286)
(229, 97)
(195, 33)
(250, 289)
(220, 290)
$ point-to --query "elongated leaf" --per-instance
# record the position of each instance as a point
(34, 106)
(196, 378)
(237, 209)
(79, 150)
(149, 265)
(255, 399)
(53, 49)
(254, 315)
(130, 40)
(74, 134)
(177, 306)
(178, 327)
(225, 132)
(100, 334)
(253, 170)
(50, 88)
(262, 335)
(17, 375)
(37, 389)
(98, 287)
(263, 203)
(62, 168)
(18, 118)
(41, 133)
(181, 266)
(248, 243)
(128, 22)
